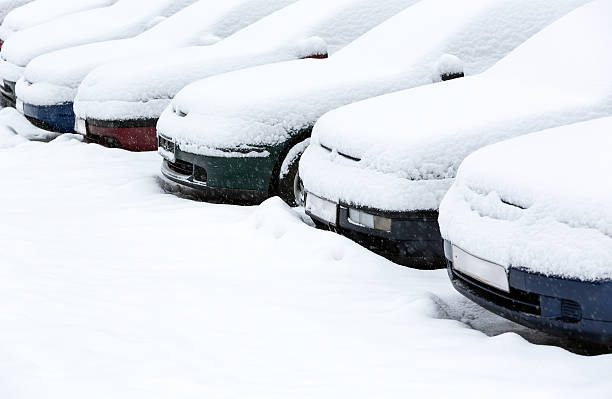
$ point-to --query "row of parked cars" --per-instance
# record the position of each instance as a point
(354, 109)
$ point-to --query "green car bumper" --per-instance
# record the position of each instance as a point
(232, 176)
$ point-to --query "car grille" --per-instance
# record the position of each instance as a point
(181, 167)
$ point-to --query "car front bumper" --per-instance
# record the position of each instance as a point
(413, 240)
(54, 118)
(564, 307)
(130, 135)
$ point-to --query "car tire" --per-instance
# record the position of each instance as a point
(290, 187)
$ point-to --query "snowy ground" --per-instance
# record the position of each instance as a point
(111, 288)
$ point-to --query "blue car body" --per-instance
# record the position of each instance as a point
(560, 306)
(56, 118)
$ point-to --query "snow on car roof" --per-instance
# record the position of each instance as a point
(539, 201)
(560, 76)
(123, 19)
(41, 11)
(305, 28)
(203, 22)
(267, 104)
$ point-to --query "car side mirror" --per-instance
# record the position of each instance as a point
(313, 47)
(448, 67)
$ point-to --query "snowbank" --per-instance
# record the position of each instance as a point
(411, 143)
(538, 201)
(15, 127)
(41, 11)
(112, 289)
(265, 105)
(50, 80)
(143, 88)
(123, 19)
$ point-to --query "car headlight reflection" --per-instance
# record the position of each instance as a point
(365, 219)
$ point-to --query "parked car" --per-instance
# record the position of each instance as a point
(528, 230)
(35, 13)
(20, 16)
(239, 136)
(6, 6)
(125, 18)
(388, 161)
(121, 102)
(49, 84)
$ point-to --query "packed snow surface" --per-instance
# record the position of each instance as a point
(110, 288)
(410, 143)
(265, 105)
(143, 88)
(539, 201)
(125, 18)
(40, 11)
(50, 80)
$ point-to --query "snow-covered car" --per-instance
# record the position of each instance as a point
(123, 19)
(49, 84)
(39, 11)
(122, 101)
(388, 161)
(35, 13)
(6, 6)
(241, 134)
(528, 230)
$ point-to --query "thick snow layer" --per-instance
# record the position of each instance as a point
(6, 6)
(265, 105)
(112, 289)
(411, 143)
(49, 79)
(540, 201)
(41, 11)
(143, 88)
(15, 126)
(123, 19)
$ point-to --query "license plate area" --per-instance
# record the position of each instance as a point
(322, 208)
(484, 271)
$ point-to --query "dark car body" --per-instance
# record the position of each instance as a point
(561, 306)
(408, 238)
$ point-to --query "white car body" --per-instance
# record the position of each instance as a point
(49, 80)
(143, 88)
(125, 18)
(400, 152)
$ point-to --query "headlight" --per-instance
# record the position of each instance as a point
(365, 219)
(80, 126)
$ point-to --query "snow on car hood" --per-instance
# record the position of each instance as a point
(539, 201)
(6, 6)
(267, 104)
(41, 11)
(50, 80)
(560, 76)
(123, 19)
(132, 89)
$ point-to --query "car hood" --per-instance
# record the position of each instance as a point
(539, 201)
(304, 29)
(123, 19)
(266, 104)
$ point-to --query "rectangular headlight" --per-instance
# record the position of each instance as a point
(80, 126)
(368, 220)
